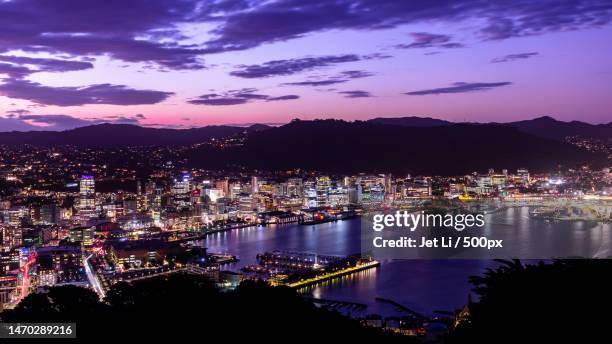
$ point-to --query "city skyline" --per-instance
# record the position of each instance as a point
(191, 64)
(390, 171)
(66, 218)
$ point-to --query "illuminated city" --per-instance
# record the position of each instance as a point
(66, 219)
(385, 171)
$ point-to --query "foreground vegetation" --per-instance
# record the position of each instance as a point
(517, 302)
(186, 306)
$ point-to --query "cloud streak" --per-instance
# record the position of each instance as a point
(15, 85)
(238, 97)
(289, 19)
(150, 31)
(356, 94)
(340, 78)
(461, 87)
(28, 122)
(430, 40)
(128, 30)
(513, 57)
(47, 64)
(75, 96)
(291, 66)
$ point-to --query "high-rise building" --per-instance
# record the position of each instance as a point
(388, 187)
(295, 187)
(254, 185)
(223, 184)
(182, 186)
(355, 194)
(322, 188)
(213, 194)
(87, 198)
(235, 190)
(87, 186)
(523, 174)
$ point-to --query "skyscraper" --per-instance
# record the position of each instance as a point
(254, 185)
(87, 186)
(87, 198)
(322, 188)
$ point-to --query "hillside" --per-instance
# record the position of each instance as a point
(348, 147)
(545, 126)
(117, 135)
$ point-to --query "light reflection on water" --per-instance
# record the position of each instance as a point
(423, 285)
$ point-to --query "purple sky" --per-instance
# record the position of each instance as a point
(65, 64)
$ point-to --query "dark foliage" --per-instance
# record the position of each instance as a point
(181, 307)
(560, 301)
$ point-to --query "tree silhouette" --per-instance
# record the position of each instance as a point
(57, 304)
(543, 300)
(184, 306)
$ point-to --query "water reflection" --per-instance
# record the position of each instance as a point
(423, 285)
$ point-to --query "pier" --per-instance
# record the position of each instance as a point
(402, 308)
(337, 304)
(335, 274)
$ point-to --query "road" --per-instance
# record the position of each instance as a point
(92, 277)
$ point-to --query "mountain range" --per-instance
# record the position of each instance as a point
(544, 126)
(129, 135)
(349, 147)
(117, 135)
(399, 145)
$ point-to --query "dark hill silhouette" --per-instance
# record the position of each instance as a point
(347, 147)
(128, 135)
(551, 128)
(544, 126)
(116, 135)
(412, 121)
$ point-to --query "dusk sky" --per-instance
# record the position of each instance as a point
(65, 64)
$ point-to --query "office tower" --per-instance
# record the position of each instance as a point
(388, 187)
(322, 189)
(254, 185)
(87, 198)
(295, 187)
(87, 186)
(235, 190)
(223, 185)
(523, 174)
(182, 186)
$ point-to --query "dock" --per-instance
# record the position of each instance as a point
(336, 304)
(335, 274)
(402, 308)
